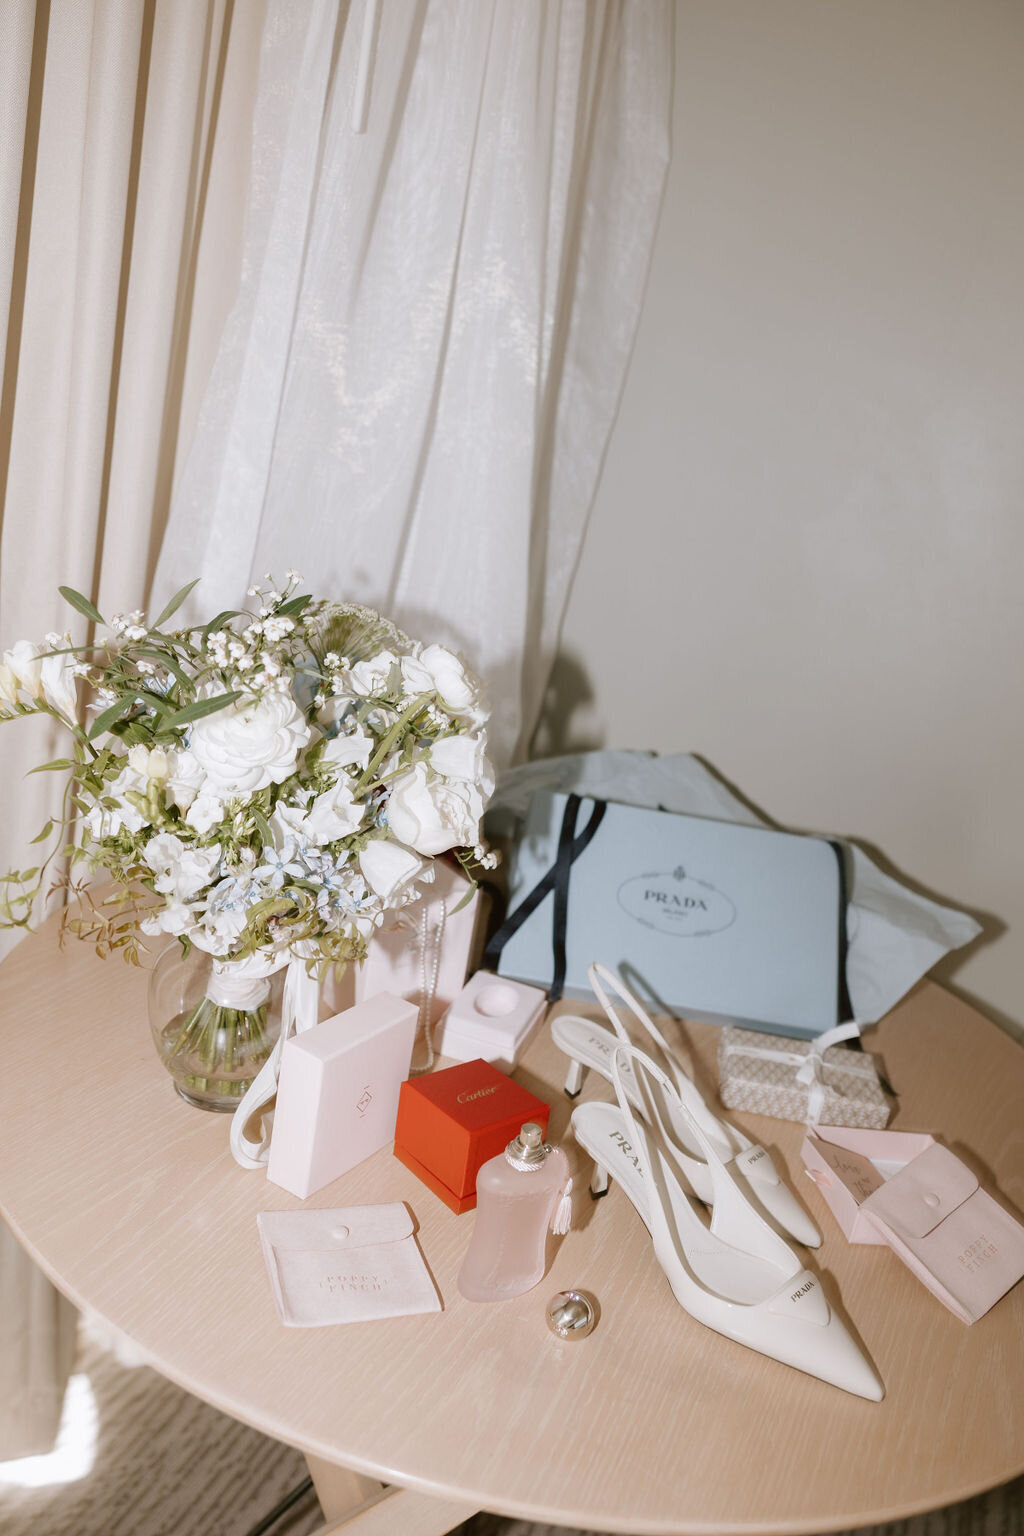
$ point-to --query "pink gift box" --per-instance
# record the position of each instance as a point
(906, 1190)
(337, 1094)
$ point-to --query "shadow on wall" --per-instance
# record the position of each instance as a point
(567, 724)
(944, 971)
(568, 695)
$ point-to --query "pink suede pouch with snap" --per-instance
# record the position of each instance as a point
(919, 1198)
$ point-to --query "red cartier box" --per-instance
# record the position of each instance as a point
(451, 1122)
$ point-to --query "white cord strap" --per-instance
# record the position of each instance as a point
(299, 1011)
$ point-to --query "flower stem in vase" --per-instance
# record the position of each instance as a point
(214, 1050)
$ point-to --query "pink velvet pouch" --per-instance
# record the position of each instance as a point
(919, 1198)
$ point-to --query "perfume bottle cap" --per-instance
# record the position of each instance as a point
(527, 1150)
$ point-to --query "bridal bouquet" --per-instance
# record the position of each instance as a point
(267, 784)
(273, 776)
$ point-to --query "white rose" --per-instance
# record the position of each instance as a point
(333, 814)
(388, 868)
(352, 751)
(463, 757)
(433, 815)
(249, 744)
(373, 675)
(456, 687)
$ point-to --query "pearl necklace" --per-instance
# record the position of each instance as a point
(429, 943)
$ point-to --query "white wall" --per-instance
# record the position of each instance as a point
(805, 562)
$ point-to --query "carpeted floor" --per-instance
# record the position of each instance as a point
(140, 1457)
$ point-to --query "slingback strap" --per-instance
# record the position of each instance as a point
(687, 1091)
(733, 1219)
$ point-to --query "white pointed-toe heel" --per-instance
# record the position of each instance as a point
(590, 1046)
(738, 1276)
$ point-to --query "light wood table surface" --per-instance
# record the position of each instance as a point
(130, 1201)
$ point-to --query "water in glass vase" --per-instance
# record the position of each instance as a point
(211, 1026)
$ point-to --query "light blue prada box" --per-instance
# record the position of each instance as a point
(704, 919)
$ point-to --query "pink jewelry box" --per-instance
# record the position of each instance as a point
(906, 1190)
(492, 1018)
(337, 1094)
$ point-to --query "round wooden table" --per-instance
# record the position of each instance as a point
(130, 1201)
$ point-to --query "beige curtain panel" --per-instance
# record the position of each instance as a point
(124, 153)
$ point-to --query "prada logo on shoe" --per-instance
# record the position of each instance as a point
(364, 1101)
(804, 1299)
(625, 1149)
(758, 1166)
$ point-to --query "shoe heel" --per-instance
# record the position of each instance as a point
(599, 1183)
(574, 1079)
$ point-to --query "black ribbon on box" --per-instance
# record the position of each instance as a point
(570, 845)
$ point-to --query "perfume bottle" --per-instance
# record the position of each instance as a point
(519, 1194)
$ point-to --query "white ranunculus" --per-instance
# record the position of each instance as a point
(249, 744)
(463, 757)
(455, 686)
(434, 814)
(351, 751)
(372, 676)
(180, 871)
(388, 868)
(333, 814)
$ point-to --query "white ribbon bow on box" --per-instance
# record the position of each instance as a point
(810, 1064)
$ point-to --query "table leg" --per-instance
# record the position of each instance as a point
(355, 1505)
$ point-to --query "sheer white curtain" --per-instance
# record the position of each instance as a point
(417, 382)
(416, 387)
(121, 214)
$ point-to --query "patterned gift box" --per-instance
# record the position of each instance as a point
(798, 1080)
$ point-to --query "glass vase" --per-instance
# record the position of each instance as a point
(214, 1024)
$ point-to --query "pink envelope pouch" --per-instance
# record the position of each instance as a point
(930, 1210)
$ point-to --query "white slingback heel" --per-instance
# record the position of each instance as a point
(591, 1046)
(738, 1276)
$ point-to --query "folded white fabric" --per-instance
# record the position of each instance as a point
(893, 935)
(349, 1265)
